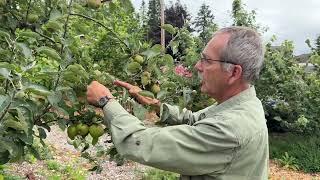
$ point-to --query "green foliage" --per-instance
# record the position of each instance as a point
(153, 22)
(288, 161)
(58, 171)
(241, 17)
(177, 16)
(296, 151)
(74, 173)
(159, 174)
(317, 43)
(37, 151)
(50, 50)
(281, 79)
(45, 67)
(4, 174)
(204, 23)
(53, 165)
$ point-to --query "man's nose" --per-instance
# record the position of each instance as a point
(198, 66)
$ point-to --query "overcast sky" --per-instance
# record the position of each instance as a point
(294, 20)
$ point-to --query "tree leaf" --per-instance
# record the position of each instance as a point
(37, 89)
(34, 152)
(169, 28)
(42, 133)
(154, 51)
(146, 94)
(277, 118)
(26, 51)
(55, 14)
(161, 94)
(157, 48)
(174, 46)
(4, 103)
(5, 73)
(75, 73)
(55, 98)
(11, 123)
(62, 111)
(168, 60)
(29, 66)
(49, 52)
(6, 149)
(30, 34)
(4, 156)
(62, 123)
(7, 66)
(127, 6)
(139, 111)
(71, 95)
(18, 149)
(4, 34)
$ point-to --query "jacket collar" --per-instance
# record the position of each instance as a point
(235, 100)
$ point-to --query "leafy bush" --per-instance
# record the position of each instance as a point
(45, 66)
(288, 161)
(289, 93)
(303, 152)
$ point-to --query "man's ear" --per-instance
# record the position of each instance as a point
(235, 74)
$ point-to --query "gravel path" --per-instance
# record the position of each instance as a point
(66, 154)
(128, 171)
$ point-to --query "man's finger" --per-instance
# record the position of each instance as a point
(123, 84)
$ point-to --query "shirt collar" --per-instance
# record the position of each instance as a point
(235, 100)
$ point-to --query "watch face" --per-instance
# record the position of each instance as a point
(103, 101)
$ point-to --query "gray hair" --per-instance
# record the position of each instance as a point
(245, 48)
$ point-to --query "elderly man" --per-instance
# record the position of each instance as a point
(225, 141)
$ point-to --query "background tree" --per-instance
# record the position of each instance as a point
(318, 45)
(178, 16)
(242, 17)
(153, 15)
(204, 23)
(142, 16)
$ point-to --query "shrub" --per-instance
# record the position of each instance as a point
(296, 150)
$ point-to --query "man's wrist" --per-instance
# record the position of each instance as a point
(103, 101)
(155, 102)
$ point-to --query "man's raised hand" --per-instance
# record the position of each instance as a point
(134, 91)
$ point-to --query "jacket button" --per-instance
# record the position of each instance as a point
(202, 116)
(138, 143)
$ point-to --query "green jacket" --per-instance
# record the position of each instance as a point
(226, 141)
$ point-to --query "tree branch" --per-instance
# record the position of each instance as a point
(62, 46)
(48, 106)
(101, 24)
(46, 37)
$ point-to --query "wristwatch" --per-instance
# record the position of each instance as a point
(103, 101)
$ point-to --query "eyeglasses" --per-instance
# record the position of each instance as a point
(205, 60)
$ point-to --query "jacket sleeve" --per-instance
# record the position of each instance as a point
(173, 115)
(184, 149)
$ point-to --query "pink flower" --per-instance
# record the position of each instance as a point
(182, 71)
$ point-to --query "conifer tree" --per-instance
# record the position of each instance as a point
(204, 23)
(153, 22)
